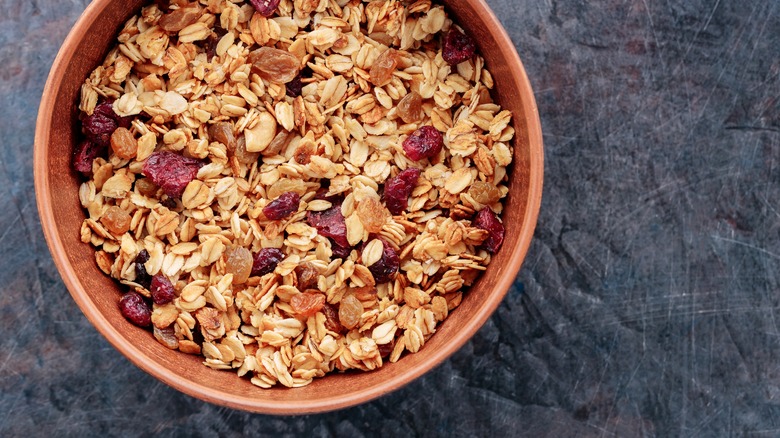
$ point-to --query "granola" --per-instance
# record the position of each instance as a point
(289, 188)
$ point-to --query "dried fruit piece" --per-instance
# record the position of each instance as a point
(330, 223)
(123, 143)
(350, 311)
(385, 269)
(266, 8)
(386, 349)
(239, 262)
(372, 214)
(178, 19)
(171, 172)
(425, 142)
(167, 337)
(383, 67)
(307, 304)
(484, 192)
(85, 153)
(242, 154)
(265, 261)
(398, 189)
(307, 276)
(141, 276)
(274, 65)
(332, 318)
(116, 220)
(162, 290)
(146, 187)
(295, 86)
(135, 309)
(487, 220)
(283, 206)
(410, 108)
(457, 47)
(223, 132)
(99, 126)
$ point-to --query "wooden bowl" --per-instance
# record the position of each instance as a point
(97, 295)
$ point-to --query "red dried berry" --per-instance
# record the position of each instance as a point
(330, 223)
(135, 309)
(161, 289)
(141, 276)
(295, 86)
(85, 153)
(171, 172)
(457, 47)
(265, 261)
(398, 189)
(487, 220)
(266, 8)
(283, 206)
(339, 252)
(425, 142)
(385, 268)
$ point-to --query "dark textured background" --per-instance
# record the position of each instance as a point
(648, 301)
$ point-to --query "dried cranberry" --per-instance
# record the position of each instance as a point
(265, 261)
(161, 289)
(340, 252)
(266, 8)
(283, 206)
(398, 189)
(99, 126)
(135, 309)
(330, 223)
(85, 153)
(457, 47)
(385, 269)
(141, 276)
(425, 142)
(295, 86)
(171, 172)
(487, 220)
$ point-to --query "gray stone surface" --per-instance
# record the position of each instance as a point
(647, 305)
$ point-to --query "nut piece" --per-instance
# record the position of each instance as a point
(260, 136)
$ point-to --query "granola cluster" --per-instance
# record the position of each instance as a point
(292, 187)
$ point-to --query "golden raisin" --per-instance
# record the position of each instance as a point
(241, 153)
(372, 214)
(350, 311)
(223, 132)
(410, 108)
(332, 318)
(382, 70)
(307, 304)
(178, 19)
(123, 143)
(238, 261)
(484, 193)
(307, 275)
(116, 220)
(274, 65)
(146, 187)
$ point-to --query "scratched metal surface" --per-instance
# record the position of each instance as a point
(648, 302)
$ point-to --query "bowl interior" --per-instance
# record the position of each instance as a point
(96, 294)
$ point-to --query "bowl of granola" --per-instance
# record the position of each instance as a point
(288, 206)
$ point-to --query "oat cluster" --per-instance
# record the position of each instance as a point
(241, 192)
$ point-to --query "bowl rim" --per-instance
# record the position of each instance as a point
(267, 406)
